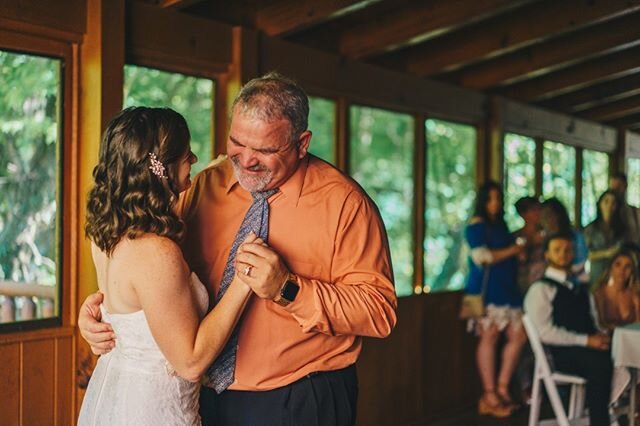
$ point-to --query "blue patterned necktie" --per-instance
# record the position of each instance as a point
(221, 373)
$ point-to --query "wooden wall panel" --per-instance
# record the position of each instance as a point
(38, 382)
(64, 381)
(61, 19)
(424, 371)
(10, 384)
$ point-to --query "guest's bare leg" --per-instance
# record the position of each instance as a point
(486, 360)
(516, 338)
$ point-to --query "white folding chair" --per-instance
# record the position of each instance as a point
(543, 373)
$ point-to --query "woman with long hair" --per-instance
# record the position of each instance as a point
(606, 234)
(617, 294)
(152, 301)
(492, 271)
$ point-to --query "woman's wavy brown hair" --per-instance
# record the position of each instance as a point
(128, 200)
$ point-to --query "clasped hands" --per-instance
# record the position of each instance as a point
(257, 266)
(599, 341)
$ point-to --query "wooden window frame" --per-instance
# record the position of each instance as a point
(68, 208)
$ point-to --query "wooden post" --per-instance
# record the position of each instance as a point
(7, 309)
(28, 309)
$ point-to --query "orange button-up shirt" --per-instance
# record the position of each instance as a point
(330, 234)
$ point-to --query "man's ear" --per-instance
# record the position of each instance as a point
(303, 143)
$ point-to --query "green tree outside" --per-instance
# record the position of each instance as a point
(190, 96)
(322, 123)
(29, 162)
(450, 186)
(381, 160)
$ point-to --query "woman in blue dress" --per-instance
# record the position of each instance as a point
(493, 265)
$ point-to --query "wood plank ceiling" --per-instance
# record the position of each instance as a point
(576, 56)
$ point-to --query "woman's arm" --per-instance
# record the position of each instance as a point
(164, 292)
(480, 253)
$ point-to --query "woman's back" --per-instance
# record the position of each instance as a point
(134, 383)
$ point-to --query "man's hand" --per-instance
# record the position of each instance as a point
(267, 272)
(99, 335)
(599, 341)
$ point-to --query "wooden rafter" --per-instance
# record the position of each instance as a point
(418, 23)
(630, 121)
(286, 16)
(578, 76)
(173, 4)
(598, 94)
(614, 110)
(551, 55)
(518, 29)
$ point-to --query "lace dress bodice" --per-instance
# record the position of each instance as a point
(134, 384)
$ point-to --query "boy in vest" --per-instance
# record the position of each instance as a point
(565, 316)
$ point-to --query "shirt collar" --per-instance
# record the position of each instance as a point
(558, 275)
(291, 188)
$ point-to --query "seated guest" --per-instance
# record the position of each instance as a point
(554, 220)
(564, 314)
(605, 234)
(617, 295)
(531, 262)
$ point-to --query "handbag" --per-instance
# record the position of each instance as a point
(472, 306)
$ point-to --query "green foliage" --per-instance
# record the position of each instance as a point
(381, 160)
(559, 174)
(190, 96)
(519, 175)
(29, 161)
(450, 186)
(633, 180)
(322, 122)
(595, 173)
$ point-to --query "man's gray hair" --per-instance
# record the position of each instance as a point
(274, 97)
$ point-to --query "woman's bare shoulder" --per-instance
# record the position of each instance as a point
(151, 253)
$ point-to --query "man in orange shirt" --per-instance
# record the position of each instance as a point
(323, 280)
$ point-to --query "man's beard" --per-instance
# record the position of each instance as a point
(252, 183)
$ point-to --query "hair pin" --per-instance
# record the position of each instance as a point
(156, 167)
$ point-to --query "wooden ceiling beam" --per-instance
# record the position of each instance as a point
(287, 16)
(171, 4)
(577, 76)
(597, 94)
(630, 121)
(545, 57)
(418, 23)
(518, 29)
(613, 110)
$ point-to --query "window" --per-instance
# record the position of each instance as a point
(30, 188)
(559, 174)
(450, 187)
(633, 181)
(322, 122)
(190, 96)
(519, 175)
(381, 160)
(595, 177)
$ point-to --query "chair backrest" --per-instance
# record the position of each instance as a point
(536, 345)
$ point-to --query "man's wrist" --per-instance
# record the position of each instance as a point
(288, 290)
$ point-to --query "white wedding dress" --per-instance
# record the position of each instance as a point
(134, 384)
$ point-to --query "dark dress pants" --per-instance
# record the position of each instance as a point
(597, 368)
(323, 398)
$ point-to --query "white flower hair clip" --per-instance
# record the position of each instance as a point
(157, 168)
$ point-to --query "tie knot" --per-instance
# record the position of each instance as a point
(263, 195)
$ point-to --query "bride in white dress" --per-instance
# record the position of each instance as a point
(152, 301)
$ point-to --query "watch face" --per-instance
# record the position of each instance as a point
(290, 291)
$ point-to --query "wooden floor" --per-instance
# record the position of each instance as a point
(520, 418)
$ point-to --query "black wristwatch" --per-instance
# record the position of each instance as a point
(288, 291)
